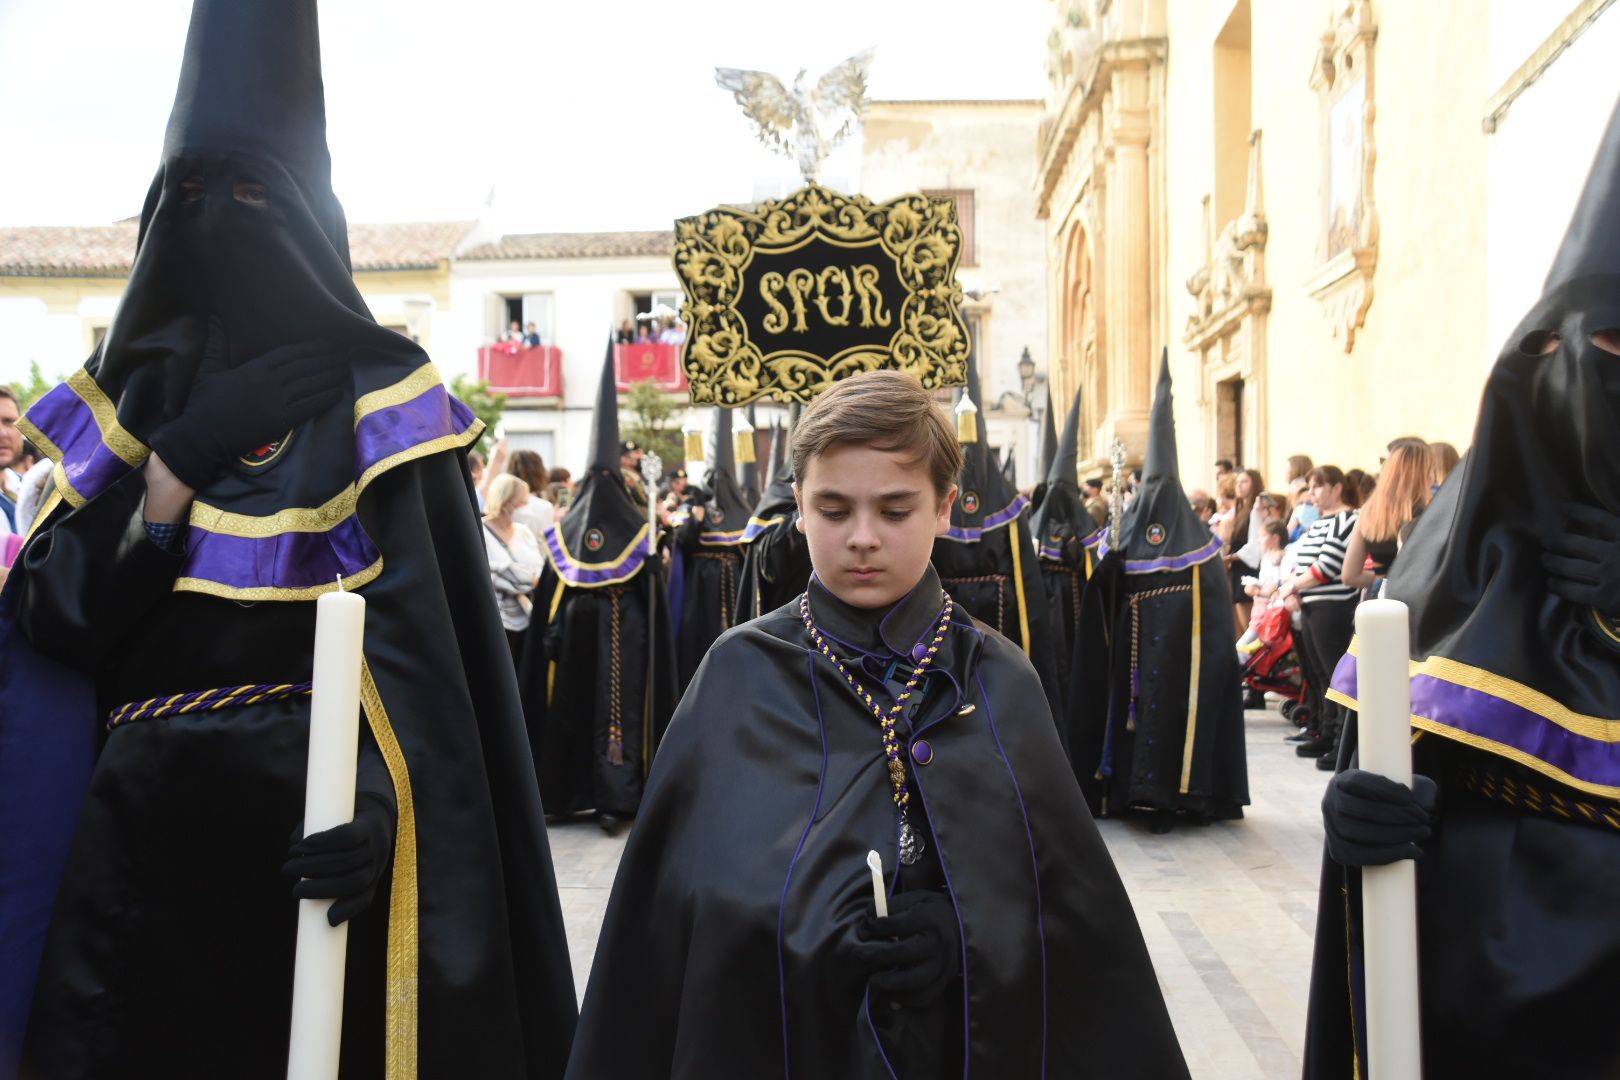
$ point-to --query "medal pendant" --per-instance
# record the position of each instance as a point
(911, 845)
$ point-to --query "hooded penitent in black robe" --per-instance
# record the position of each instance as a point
(711, 552)
(1171, 738)
(1515, 698)
(986, 559)
(725, 948)
(170, 947)
(1065, 538)
(597, 692)
(776, 566)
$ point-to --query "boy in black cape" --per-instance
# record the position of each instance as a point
(1512, 576)
(1171, 738)
(985, 559)
(598, 669)
(709, 544)
(871, 714)
(245, 437)
(1066, 537)
(776, 566)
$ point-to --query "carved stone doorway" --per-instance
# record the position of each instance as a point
(1229, 422)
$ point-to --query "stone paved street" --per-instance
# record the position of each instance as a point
(1228, 911)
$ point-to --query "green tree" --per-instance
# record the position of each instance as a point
(653, 421)
(35, 388)
(485, 403)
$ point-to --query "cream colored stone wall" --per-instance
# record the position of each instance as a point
(1467, 218)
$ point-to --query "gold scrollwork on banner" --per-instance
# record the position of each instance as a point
(785, 299)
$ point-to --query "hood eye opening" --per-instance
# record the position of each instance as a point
(192, 189)
(1539, 342)
(251, 193)
(1607, 340)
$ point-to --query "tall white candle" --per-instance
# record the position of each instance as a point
(334, 745)
(1389, 893)
(880, 899)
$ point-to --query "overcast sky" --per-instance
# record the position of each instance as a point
(580, 116)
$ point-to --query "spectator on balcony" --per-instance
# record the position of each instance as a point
(626, 334)
(644, 333)
(537, 514)
(531, 336)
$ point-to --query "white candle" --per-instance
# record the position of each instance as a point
(1389, 893)
(879, 900)
(334, 744)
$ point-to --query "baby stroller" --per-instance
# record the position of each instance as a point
(1275, 665)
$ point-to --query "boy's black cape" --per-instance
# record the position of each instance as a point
(987, 562)
(596, 692)
(1515, 698)
(723, 949)
(170, 947)
(776, 567)
(1171, 737)
(711, 552)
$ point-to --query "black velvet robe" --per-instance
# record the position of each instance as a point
(170, 952)
(723, 950)
(711, 551)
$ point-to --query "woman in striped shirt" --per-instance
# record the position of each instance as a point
(1327, 604)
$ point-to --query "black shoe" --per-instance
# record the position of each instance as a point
(1329, 761)
(1300, 736)
(1163, 822)
(1314, 748)
(610, 823)
(1254, 699)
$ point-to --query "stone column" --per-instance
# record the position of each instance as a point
(1132, 354)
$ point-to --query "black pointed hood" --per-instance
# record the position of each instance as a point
(1501, 656)
(1161, 531)
(985, 500)
(1009, 468)
(605, 418)
(601, 540)
(726, 520)
(1049, 436)
(748, 471)
(241, 231)
(1061, 525)
(1591, 246)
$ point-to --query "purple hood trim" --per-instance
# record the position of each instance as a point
(1167, 562)
(971, 534)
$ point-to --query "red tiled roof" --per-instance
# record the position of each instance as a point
(575, 245)
(106, 250)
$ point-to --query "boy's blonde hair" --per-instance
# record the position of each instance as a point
(886, 410)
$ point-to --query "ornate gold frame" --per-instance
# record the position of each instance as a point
(712, 255)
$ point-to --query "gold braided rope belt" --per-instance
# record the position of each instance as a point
(1136, 643)
(1524, 793)
(730, 563)
(199, 701)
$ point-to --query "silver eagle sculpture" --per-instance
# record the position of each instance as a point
(803, 124)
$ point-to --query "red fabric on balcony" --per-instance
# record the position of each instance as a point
(517, 371)
(648, 360)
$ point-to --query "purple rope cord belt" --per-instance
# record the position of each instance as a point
(224, 697)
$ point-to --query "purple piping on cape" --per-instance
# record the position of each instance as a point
(1168, 562)
(723, 539)
(291, 560)
(1490, 717)
(571, 572)
(64, 418)
(866, 1010)
(1052, 554)
(1040, 916)
(961, 931)
(781, 904)
(1094, 539)
(970, 534)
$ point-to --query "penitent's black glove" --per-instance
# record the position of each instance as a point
(914, 953)
(344, 864)
(1583, 563)
(232, 411)
(1371, 820)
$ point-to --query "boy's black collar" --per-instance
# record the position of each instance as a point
(893, 631)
